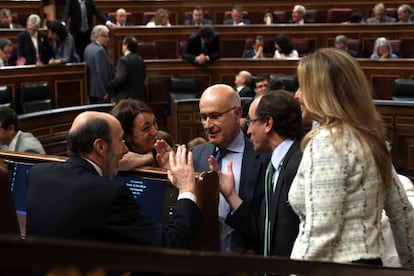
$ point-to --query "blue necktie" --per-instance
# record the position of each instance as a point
(270, 170)
(220, 153)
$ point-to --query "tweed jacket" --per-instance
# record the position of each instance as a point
(339, 201)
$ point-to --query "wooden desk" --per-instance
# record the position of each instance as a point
(206, 190)
(67, 83)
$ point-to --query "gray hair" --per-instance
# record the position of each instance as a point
(340, 39)
(33, 19)
(301, 8)
(97, 31)
(406, 8)
(382, 41)
(5, 42)
(5, 12)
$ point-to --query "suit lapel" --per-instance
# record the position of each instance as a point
(249, 172)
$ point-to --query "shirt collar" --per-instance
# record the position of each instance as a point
(13, 143)
(279, 153)
(237, 145)
(98, 170)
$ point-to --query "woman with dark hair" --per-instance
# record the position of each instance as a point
(63, 43)
(284, 48)
(268, 17)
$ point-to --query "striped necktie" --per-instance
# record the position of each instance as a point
(270, 170)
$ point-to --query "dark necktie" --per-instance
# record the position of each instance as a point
(84, 18)
(220, 155)
(270, 170)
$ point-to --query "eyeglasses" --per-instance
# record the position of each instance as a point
(214, 115)
(249, 122)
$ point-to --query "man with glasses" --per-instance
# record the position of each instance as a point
(274, 126)
(220, 113)
(99, 65)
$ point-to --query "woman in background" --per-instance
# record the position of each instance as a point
(160, 18)
(141, 135)
(63, 44)
(284, 48)
(382, 49)
(346, 177)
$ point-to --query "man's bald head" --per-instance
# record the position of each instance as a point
(221, 93)
(86, 128)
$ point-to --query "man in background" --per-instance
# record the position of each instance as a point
(299, 16)
(98, 64)
(121, 17)
(6, 20)
(380, 15)
(341, 42)
(242, 83)
(197, 18)
(202, 47)
(236, 17)
(12, 138)
(80, 13)
(130, 73)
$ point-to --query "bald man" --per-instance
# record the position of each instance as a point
(77, 199)
(242, 83)
(121, 17)
(220, 112)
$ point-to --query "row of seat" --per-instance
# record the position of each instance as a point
(33, 97)
(334, 15)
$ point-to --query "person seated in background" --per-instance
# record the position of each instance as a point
(140, 129)
(12, 138)
(63, 43)
(242, 83)
(121, 18)
(284, 48)
(203, 46)
(257, 51)
(380, 15)
(33, 44)
(78, 199)
(355, 17)
(261, 85)
(161, 18)
(6, 20)
(163, 135)
(268, 17)
(195, 142)
(382, 49)
(341, 43)
(404, 13)
(197, 18)
(236, 17)
(6, 54)
(299, 16)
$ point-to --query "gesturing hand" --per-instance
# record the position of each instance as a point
(181, 172)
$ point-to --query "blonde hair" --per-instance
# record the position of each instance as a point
(159, 14)
(335, 90)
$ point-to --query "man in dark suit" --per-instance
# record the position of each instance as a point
(242, 82)
(130, 73)
(197, 18)
(236, 17)
(275, 126)
(220, 111)
(121, 17)
(98, 64)
(80, 13)
(257, 50)
(6, 20)
(39, 53)
(202, 47)
(77, 199)
(299, 16)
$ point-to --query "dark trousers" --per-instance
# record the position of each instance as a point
(81, 41)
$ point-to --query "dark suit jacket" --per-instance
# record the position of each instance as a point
(251, 53)
(205, 21)
(284, 221)
(305, 20)
(25, 47)
(70, 200)
(246, 92)
(230, 21)
(15, 26)
(73, 11)
(253, 169)
(194, 48)
(99, 69)
(129, 78)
